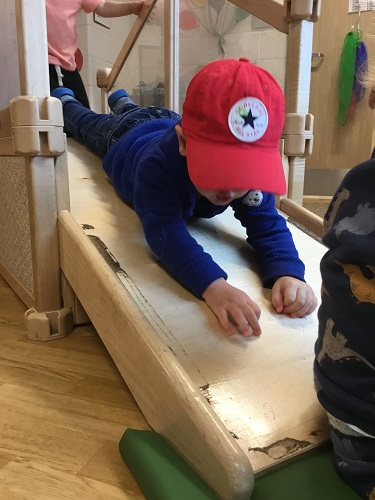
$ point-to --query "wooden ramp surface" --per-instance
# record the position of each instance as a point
(261, 389)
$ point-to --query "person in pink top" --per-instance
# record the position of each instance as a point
(63, 39)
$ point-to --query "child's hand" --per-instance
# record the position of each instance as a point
(137, 7)
(234, 308)
(293, 297)
(113, 8)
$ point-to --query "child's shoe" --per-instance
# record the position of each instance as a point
(118, 100)
(63, 93)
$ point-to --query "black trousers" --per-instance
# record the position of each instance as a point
(70, 79)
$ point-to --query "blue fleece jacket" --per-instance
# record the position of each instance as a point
(148, 172)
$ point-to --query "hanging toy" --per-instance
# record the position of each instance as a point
(346, 75)
(361, 67)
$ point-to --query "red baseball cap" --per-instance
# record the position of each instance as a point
(233, 116)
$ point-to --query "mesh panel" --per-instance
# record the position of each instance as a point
(15, 239)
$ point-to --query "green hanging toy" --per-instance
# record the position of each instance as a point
(347, 74)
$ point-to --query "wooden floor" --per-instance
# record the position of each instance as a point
(63, 410)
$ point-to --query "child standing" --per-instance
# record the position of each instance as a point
(223, 152)
(63, 39)
(344, 367)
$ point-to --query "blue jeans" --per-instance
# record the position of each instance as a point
(101, 131)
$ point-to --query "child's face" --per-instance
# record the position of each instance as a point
(222, 197)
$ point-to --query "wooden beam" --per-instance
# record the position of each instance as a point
(307, 219)
(297, 93)
(269, 11)
(32, 47)
(326, 200)
(9, 76)
(42, 196)
(129, 42)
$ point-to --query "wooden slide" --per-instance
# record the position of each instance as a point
(227, 404)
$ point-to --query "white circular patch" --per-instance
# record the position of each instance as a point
(248, 119)
(253, 198)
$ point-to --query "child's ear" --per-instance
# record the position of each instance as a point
(181, 140)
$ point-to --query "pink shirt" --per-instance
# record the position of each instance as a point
(61, 29)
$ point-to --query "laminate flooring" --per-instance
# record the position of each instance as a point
(63, 410)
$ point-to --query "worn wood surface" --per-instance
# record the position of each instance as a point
(262, 389)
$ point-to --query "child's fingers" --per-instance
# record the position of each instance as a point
(277, 299)
(301, 308)
(246, 320)
(308, 307)
(224, 320)
(294, 300)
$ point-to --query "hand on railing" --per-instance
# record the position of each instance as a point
(112, 8)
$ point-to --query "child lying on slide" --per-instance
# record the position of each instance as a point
(223, 152)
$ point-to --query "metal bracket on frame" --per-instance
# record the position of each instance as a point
(298, 134)
(300, 10)
(37, 126)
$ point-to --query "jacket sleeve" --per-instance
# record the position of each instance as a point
(157, 203)
(269, 236)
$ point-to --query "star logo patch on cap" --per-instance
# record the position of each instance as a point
(248, 119)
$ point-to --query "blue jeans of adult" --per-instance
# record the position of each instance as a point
(101, 131)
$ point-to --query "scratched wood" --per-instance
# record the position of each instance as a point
(261, 389)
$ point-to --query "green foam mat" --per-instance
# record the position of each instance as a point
(308, 477)
(159, 470)
(163, 475)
